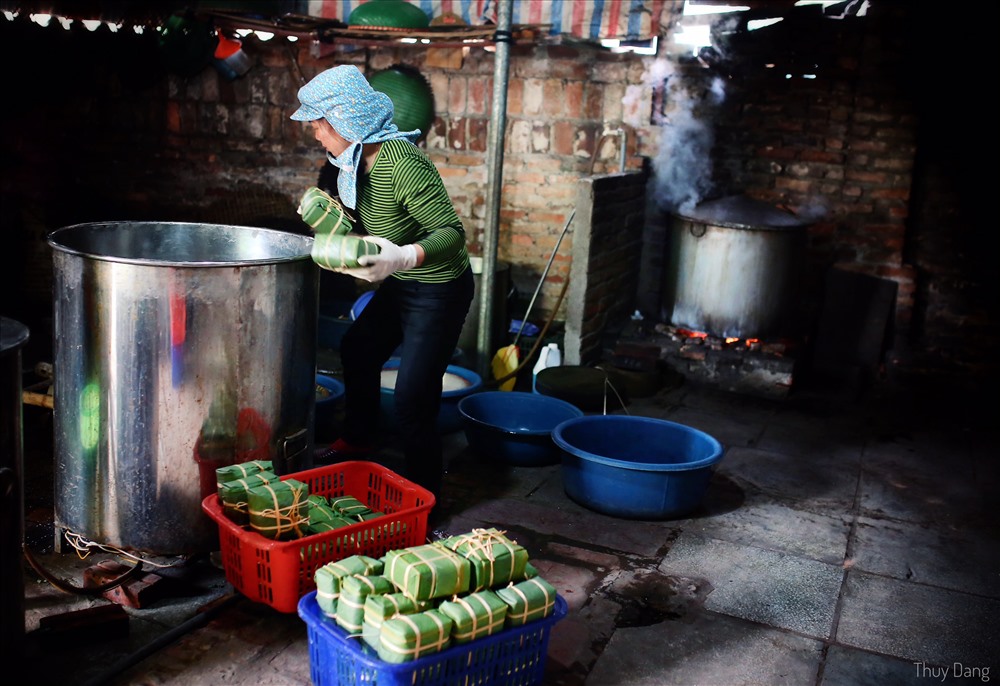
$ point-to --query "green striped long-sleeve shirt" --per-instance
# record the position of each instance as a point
(404, 200)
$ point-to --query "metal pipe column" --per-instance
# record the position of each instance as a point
(494, 157)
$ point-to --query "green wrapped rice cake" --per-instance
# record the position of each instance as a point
(495, 559)
(242, 470)
(324, 213)
(333, 252)
(349, 506)
(279, 510)
(475, 615)
(527, 601)
(379, 608)
(233, 495)
(409, 637)
(328, 577)
(426, 572)
(354, 591)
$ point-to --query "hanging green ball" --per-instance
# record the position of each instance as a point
(411, 95)
(388, 14)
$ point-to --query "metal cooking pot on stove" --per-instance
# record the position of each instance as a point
(733, 268)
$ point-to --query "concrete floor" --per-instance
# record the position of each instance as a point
(842, 540)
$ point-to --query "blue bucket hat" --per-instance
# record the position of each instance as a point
(358, 112)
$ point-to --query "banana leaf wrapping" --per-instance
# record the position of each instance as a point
(233, 495)
(354, 591)
(527, 601)
(323, 213)
(426, 572)
(379, 608)
(333, 251)
(320, 512)
(370, 515)
(409, 637)
(242, 470)
(529, 571)
(328, 577)
(475, 615)
(495, 559)
(326, 525)
(279, 510)
(317, 499)
(349, 506)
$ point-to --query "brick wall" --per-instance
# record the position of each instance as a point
(607, 228)
(98, 131)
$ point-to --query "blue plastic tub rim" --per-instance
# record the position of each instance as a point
(526, 397)
(360, 304)
(335, 387)
(475, 381)
(713, 458)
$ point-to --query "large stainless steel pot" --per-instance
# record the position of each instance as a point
(733, 268)
(179, 348)
(13, 336)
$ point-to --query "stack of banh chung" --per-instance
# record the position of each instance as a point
(417, 601)
(255, 498)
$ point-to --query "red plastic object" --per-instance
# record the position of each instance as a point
(227, 47)
(279, 573)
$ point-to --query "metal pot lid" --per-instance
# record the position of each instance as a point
(741, 212)
(13, 335)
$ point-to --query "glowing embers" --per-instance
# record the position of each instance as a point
(746, 365)
(779, 347)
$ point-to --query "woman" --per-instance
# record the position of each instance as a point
(423, 266)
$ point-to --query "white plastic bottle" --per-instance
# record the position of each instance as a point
(549, 356)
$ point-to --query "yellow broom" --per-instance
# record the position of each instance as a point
(506, 362)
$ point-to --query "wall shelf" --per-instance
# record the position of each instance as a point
(333, 31)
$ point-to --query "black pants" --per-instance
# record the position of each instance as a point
(426, 320)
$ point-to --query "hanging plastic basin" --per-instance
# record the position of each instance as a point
(515, 427)
(635, 467)
(458, 383)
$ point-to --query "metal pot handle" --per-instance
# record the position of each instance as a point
(693, 229)
(292, 447)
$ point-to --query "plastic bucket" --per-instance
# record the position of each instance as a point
(635, 467)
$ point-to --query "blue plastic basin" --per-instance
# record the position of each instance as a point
(635, 467)
(515, 427)
(448, 419)
(326, 407)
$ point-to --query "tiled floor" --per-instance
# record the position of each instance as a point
(843, 540)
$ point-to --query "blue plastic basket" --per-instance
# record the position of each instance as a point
(513, 657)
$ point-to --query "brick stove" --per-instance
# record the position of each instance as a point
(762, 368)
(729, 298)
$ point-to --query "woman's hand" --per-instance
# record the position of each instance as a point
(391, 258)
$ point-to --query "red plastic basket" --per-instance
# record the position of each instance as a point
(279, 573)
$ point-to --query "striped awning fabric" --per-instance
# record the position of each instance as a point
(583, 19)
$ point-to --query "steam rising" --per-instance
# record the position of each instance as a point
(683, 165)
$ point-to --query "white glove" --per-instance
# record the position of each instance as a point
(391, 258)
